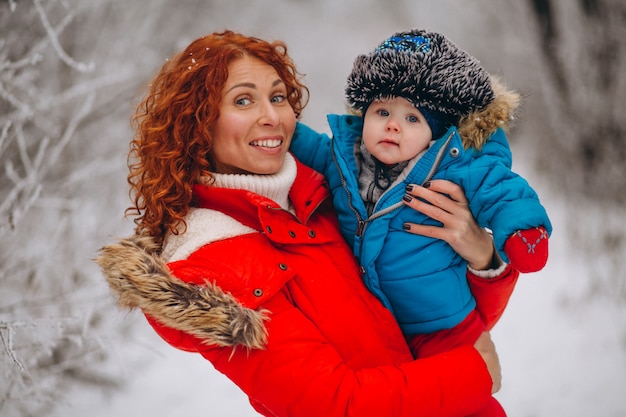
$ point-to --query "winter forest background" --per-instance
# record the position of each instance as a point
(70, 72)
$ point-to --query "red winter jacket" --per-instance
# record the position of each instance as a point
(282, 312)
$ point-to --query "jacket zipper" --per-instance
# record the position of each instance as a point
(438, 159)
(362, 223)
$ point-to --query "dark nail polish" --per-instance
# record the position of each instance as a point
(407, 198)
(408, 188)
(426, 184)
(406, 226)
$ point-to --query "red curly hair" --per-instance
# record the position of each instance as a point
(172, 144)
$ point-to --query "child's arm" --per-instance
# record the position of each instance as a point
(504, 202)
(311, 148)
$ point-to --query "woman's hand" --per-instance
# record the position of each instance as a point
(484, 345)
(448, 205)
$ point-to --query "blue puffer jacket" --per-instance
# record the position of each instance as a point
(420, 279)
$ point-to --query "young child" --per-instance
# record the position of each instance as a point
(428, 110)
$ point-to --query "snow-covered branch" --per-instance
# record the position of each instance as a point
(54, 41)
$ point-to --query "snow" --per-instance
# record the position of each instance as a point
(562, 354)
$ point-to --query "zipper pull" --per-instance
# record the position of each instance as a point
(359, 228)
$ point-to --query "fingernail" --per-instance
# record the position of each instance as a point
(407, 198)
(426, 184)
(408, 188)
(406, 226)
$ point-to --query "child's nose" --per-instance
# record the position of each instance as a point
(392, 126)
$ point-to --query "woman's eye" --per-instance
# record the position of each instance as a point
(243, 101)
(279, 98)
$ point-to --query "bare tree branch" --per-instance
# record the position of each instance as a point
(52, 36)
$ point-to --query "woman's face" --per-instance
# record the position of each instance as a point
(256, 122)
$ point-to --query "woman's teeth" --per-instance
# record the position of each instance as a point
(267, 143)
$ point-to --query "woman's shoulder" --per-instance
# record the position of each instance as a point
(204, 226)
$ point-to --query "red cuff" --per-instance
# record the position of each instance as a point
(528, 249)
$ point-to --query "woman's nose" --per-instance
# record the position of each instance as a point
(269, 116)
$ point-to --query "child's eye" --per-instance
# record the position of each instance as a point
(412, 119)
(383, 112)
(243, 101)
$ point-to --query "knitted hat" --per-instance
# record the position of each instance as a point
(441, 80)
(438, 122)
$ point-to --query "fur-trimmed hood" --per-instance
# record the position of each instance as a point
(476, 128)
(140, 278)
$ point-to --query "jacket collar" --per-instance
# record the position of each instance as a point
(308, 191)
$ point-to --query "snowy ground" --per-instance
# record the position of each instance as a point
(562, 355)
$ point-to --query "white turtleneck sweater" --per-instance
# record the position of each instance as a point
(205, 226)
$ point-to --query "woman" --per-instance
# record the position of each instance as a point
(238, 254)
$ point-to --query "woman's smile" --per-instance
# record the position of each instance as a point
(267, 143)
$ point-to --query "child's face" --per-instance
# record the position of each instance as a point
(395, 131)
